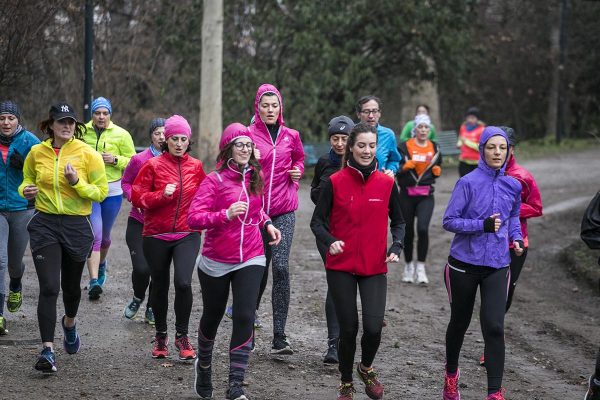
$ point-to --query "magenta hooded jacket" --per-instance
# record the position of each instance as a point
(476, 196)
(226, 241)
(276, 159)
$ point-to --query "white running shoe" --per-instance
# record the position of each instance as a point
(409, 273)
(421, 276)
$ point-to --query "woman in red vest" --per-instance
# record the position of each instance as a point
(353, 205)
(468, 141)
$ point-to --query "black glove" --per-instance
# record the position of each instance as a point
(489, 225)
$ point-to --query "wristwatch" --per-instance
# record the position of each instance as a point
(116, 160)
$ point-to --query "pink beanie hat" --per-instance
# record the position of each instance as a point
(233, 132)
(177, 125)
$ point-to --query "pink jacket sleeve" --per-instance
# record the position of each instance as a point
(201, 214)
(143, 194)
(298, 154)
(129, 175)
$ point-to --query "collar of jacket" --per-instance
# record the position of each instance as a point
(175, 159)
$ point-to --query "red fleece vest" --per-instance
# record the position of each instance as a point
(359, 217)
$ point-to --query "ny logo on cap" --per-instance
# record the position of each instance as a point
(64, 108)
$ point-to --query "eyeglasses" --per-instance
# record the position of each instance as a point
(369, 112)
(240, 145)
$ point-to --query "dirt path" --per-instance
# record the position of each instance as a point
(552, 329)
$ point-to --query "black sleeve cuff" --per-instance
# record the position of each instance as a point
(521, 244)
(396, 248)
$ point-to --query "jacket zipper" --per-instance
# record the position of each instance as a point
(56, 184)
(180, 195)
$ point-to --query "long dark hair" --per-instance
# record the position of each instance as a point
(256, 181)
(361, 127)
(46, 127)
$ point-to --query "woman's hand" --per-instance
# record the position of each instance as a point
(517, 248)
(237, 208)
(392, 258)
(295, 174)
(492, 223)
(275, 234)
(336, 247)
(30, 191)
(71, 174)
(256, 153)
(170, 189)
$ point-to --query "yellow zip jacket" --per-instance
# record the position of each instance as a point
(114, 140)
(44, 169)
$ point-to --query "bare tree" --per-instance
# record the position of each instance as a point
(210, 124)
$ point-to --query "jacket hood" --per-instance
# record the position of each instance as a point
(485, 136)
(231, 133)
(267, 88)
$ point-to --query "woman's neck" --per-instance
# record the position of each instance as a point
(421, 143)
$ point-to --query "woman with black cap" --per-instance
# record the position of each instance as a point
(468, 141)
(15, 212)
(339, 129)
(115, 145)
(356, 203)
(64, 176)
(140, 274)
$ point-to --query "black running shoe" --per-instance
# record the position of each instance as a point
(281, 345)
(203, 381)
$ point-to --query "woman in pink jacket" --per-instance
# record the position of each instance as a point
(282, 161)
(229, 205)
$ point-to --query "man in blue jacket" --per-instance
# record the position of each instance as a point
(368, 109)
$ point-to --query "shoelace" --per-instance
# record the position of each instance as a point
(160, 343)
(134, 306)
(451, 384)
(184, 343)
(71, 334)
(14, 296)
(371, 377)
(347, 388)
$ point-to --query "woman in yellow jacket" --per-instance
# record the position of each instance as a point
(64, 176)
(116, 147)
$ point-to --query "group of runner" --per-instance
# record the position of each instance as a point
(75, 180)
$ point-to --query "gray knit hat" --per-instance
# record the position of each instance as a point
(10, 107)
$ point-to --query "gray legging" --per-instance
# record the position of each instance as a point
(280, 257)
(13, 241)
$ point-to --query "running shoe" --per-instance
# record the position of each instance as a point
(408, 276)
(593, 392)
(203, 381)
(373, 388)
(346, 391)
(451, 391)
(331, 355)
(149, 316)
(499, 395)
(3, 330)
(482, 360)
(186, 351)
(71, 341)
(15, 299)
(421, 275)
(94, 289)
(281, 345)
(46, 361)
(159, 350)
(131, 309)
(235, 392)
(102, 268)
(257, 321)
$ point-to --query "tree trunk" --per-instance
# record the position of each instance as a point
(551, 119)
(211, 110)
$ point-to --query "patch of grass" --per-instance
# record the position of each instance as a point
(538, 148)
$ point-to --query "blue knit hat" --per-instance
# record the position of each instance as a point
(101, 102)
(156, 123)
(10, 107)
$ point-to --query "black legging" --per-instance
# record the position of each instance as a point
(55, 269)
(421, 208)
(140, 274)
(333, 328)
(516, 265)
(159, 254)
(597, 371)
(464, 168)
(462, 283)
(244, 283)
(372, 296)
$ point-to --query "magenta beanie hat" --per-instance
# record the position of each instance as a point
(177, 125)
(233, 132)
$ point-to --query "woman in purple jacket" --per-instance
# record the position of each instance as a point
(140, 275)
(229, 205)
(483, 212)
(282, 162)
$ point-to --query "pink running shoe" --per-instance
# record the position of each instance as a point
(499, 395)
(373, 388)
(451, 391)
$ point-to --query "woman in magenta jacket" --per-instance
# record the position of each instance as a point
(282, 162)
(351, 218)
(229, 206)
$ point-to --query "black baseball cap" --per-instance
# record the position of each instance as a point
(61, 111)
(340, 125)
(510, 133)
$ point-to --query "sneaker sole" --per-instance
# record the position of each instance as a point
(13, 309)
(149, 321)
(72, 352)
(95, 292)
(45, 367)
(286, 351)
(187, 359)
(160, 356)
(130, 318)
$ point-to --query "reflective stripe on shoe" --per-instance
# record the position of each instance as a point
(46, 361)
(15, 299)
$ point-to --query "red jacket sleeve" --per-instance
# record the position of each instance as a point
(144, 194)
